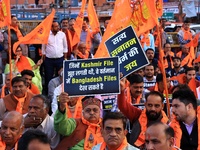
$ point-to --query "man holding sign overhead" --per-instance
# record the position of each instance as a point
(82, 133)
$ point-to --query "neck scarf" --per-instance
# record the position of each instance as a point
(143, 123)
(20, 103)
(3, 145)
(122, 146)
(18, 32)
(23, 63)
(93, 134)
(187, 35)
(83, 56)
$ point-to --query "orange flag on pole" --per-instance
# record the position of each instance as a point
(5, 15)
(144, 17)
(159, 7)
(92, 15)
(194, 41)
(120, 19)
(40, 34)
(141, 15)
(78, 24)
(179, 78)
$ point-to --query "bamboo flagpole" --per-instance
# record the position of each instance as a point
(9, 55)
(163, 70)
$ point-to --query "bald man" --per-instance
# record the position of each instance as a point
(159, 136)
(11, 130)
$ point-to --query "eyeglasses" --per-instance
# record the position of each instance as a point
(109, 130)
(95, 110)
(18, 50)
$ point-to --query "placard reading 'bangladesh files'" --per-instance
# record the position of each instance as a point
(91, 76)
(126, 45)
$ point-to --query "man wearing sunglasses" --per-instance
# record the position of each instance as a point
(82, 133)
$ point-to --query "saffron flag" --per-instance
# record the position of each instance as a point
(78, 24)
(5, 15)
(40, 34)
(120, 19)
(93, 19)
(194, 41)
(179, 78)
(159, 7)
(142, 16)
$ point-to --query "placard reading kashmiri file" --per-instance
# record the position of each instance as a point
(126, 45)
(91, 76)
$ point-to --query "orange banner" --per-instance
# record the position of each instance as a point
(40, 34)
(5, 15)
(159, 7)
(78, 24)
(120, 19)
(143, 16)
(92, 15)
(194, 41)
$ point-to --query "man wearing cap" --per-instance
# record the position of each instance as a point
(82, 133)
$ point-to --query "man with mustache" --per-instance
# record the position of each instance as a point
(82, 133)
(114, 133)
(141, 119)
(150, 53)
(18, 99)
(177, 70)
(149, 78)
(38, 118)
(11, 130)
(159, 136)
(186, 121)
(136, 89)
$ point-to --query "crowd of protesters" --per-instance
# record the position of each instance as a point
(35, 113)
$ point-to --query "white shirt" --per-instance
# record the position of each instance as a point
(47, 127)
(56, 46)
(190, 10)
(54, 104)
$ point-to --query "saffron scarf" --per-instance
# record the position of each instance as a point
(20, 103)
(23, 63)
(122, 146)
(143, 123)
(187, 35)
(93, 134)
(3, 145)
(129, 97)
(18, 32)
(83, 56)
